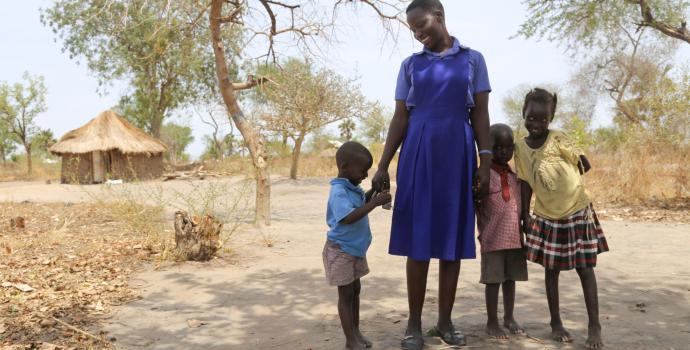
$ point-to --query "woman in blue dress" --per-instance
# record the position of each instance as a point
(441, 112)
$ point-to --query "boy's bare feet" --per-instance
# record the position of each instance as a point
(494, 331)
(362, 339)
(559, 333)
(594, 337)
(513, 326)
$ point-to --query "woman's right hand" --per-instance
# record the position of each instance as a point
(381, 180)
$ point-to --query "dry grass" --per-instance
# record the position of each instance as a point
(17, 171)
(640, 174)
(148, 207)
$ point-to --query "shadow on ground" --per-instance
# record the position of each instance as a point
(273, 309)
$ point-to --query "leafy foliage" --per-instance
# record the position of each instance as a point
(159, 48)
(301, 98)
(584, 25)
(375, 123)
(20, 104)
(177, 137)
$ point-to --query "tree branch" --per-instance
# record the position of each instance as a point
(648, 20)
(250, 83)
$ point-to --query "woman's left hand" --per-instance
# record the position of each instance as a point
(481, 179)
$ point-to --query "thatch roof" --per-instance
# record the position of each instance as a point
(107, 132)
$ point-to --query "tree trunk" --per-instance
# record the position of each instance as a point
(157, 124)
(197, 241)
(219, 147)
(254, 140)
(3, 156)
(27, 147)
(295, 156)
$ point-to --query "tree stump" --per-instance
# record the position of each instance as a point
(18, 223)
(196, 239)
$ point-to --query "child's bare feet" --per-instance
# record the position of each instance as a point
(594, 337)
(362, 339)
(559, 333)
(513, 326)
(494, 331)
(354, 344)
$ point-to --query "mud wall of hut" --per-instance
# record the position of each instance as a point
(135, 167)
(76, 169)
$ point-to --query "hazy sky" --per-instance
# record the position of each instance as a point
(483, 25)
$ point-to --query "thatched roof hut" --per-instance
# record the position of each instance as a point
(109, 147)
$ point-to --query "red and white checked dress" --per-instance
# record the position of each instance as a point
(498, 220)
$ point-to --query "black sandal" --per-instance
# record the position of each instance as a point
(451, 337)
(412, 342)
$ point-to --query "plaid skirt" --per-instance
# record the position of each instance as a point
(568, 243)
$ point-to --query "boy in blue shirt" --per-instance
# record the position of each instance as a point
(349, 236)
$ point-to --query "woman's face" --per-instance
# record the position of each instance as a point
(427, 26)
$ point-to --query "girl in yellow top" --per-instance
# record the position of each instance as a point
(564, 233)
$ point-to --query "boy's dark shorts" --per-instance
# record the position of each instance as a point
(503, 265)
(342, 268)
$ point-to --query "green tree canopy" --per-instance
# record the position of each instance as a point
(7, 141)
(20, 104)
(160, 48)
(302, 98)
(375, 123)
(177, 137)
(43, 139)
(585, 24)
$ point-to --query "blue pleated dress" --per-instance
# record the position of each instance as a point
(433, 215)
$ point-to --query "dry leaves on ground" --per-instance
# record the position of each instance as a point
(62, 273)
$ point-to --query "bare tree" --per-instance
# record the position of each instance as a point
(219, 140)
(305, 26)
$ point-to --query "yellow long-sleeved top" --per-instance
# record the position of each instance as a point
(552, 172)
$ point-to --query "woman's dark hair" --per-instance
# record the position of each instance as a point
(426, 5)
(542, 96)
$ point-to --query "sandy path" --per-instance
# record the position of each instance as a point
(276, 298)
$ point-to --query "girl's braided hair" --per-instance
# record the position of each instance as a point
(541, 96)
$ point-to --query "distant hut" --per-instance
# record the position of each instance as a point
(109, 147)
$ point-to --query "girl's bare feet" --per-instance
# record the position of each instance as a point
(494, 331)
(594, 337)
(513, 326)
(559, 333)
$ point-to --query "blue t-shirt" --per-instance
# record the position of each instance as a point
(344, 198)
(478, 79)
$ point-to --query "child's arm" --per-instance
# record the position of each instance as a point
(584, 164)
(526, 199)
(378, 200)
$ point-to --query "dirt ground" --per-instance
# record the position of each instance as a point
(275, 297)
